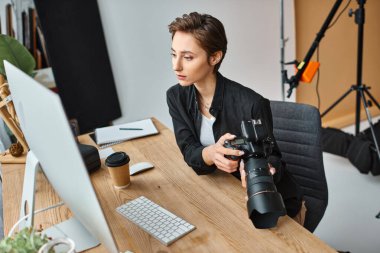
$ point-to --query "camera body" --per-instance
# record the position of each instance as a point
(255, 141)
(264, 204)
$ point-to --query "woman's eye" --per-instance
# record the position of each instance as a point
(188, 58)
(173, 54)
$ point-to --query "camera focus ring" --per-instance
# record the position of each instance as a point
(254, 179)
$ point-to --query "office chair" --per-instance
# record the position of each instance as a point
(297, 130)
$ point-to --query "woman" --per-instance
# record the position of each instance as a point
(207, 108)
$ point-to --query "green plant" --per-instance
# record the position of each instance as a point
(14, 52)
(25, 241)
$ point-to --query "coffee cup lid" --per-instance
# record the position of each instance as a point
(117, 159)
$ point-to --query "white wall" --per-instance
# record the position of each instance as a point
(17, 6)
(4, 3)
(139, 45)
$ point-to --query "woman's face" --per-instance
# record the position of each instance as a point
(190, 61)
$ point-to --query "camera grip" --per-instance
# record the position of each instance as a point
(227, 144)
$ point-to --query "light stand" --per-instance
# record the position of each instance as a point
(360, 88)
(282, 61)
(294, 80)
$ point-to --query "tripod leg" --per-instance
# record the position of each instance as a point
(372, 98)
(337, 102)
(369, 118)
(359, 93)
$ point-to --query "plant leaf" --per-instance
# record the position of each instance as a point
(25, 241)
(14, 52)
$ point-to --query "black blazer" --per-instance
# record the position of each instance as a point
(232, 103)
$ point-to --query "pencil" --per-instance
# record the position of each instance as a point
(127, 128)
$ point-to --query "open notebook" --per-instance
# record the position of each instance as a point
(107, 136)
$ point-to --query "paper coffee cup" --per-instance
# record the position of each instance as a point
(118, 167)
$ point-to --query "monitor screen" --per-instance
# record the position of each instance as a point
(49, 136)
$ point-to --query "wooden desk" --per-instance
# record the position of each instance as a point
(213, 203)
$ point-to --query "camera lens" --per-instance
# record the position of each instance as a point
(265, 204)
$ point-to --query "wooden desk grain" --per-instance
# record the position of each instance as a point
(213, 203)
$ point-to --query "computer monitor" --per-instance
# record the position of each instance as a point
(49, 136)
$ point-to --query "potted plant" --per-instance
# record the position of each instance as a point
(30, 241)
(26, 241)
(15, 53)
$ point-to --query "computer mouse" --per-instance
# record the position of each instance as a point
(139, 167)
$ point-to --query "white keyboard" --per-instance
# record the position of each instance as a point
(155, 220)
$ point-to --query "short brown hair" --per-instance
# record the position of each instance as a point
(208, 30)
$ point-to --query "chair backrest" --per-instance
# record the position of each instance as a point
(297, 129)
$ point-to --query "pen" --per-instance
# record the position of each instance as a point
(127, 128)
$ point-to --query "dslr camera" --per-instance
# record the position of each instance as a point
(265, 204)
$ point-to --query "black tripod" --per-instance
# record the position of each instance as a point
(360, 88)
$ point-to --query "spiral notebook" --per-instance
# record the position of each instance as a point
(111, 135)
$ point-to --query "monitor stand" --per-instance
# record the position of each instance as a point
(70, 228)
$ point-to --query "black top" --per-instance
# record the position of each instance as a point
(232, 103)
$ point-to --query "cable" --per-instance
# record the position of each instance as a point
(317, 83)
(340, 13)
(319, 69)
(35, 212)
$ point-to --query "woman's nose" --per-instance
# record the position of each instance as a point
(177, 65)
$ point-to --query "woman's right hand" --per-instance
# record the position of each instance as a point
(215, 154)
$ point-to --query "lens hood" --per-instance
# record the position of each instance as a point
(265, 208)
